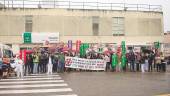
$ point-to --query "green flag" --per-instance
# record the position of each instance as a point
(123, 61)
(157, 44)
(123, 47)
(114, 60)
(83, 48)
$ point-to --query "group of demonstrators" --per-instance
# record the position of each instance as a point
(43, 60)
(44, 63)
(48, 62)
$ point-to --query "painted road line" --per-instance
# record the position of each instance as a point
(42, 81)
(65, 95)
(29, 76)
(35, 76)
(35, 91)
(43, 74)
(28, 86)
(31, 79)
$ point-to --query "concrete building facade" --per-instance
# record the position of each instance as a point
(166, 44)
(89, 26)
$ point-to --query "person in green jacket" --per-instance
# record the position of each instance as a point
(61, 62)
(114, 61)
(123, 62)
(35, 62)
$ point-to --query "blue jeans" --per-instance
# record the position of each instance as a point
(132, 65)
(35, 70)
(60, 67)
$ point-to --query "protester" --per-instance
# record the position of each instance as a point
(27, 64)
(150, 61)
(142, 61)
(163, 63)
(158, 62)
(61, 61)
(123, 63)
(35, 61)
(50, 64)
(107, 60)
(146, 62)
(132, 61)
(55, 61)
(19, 67)
(31, 63)
(114, 61)
(138, 61)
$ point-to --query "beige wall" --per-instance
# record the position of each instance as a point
(65, 25)
(77, 24)
(105, 26)
(166, 42)
(11, 25)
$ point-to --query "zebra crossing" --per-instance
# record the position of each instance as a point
(35, 85)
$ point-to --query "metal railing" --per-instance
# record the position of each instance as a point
(6, 4)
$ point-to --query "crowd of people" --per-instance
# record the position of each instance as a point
(45, 62)
(48, 62)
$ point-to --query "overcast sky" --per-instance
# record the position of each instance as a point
(164, 3)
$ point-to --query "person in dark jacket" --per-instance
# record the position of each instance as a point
(31, 64)
(150, 61)
(27, 65)
(132, 61)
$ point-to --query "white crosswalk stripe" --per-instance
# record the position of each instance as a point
(23, 82)
(35, 91)
(46, 85)
(65, 95)
(41, 76)
(37, 85)
(31, 79)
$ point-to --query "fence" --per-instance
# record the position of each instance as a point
(7, 4)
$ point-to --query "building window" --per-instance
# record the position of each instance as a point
(28, 23)
(95, 25)
(118, 26)
(167, 45)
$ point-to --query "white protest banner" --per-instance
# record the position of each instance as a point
(87, 64)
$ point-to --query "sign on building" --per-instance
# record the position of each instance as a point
(29, 37)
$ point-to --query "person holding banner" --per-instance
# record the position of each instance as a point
(107, 60)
